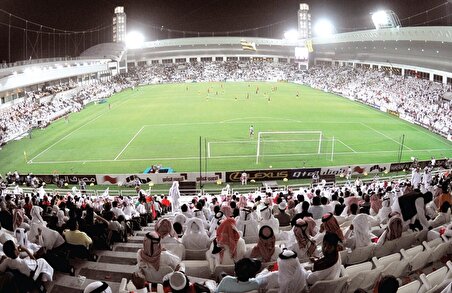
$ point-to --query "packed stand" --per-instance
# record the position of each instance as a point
(414, 99)
(284, 241)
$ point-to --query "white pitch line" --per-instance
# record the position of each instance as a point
(64, 137)
(381, 133)
(346, 145)
(130, 141)
(225, 157)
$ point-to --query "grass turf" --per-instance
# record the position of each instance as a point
(163, 123)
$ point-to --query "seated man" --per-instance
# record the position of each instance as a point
(245, 277)
(76, 237)
(30, 267)
(329, 266)
(81, 241)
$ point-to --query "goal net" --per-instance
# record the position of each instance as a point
(285, 143)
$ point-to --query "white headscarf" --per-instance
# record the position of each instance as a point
(291, 275)
(195, 236)
(174, 193)
(96, 285)
(21, 236)
(361, 230)
(49, 238)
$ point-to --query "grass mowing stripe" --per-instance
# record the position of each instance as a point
(379, 132)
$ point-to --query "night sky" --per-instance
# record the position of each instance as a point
(189, 15)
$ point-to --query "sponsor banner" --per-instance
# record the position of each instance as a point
(395, 113)
(279, 174)
(158, 178)
(356, 169)
(71, 179)
(399, 167)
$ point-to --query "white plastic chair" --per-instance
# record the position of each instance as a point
(449, 272)
(433, 243)
(406, 241)
(416, 261)
(360, 254)
(385, 249)
(433, 279)
(195, 254)
(364, 280)
(391, 265)
(228, 269)
(411, 252)
(329, 286)
(160, 288)
(353, 270)
(176, 249)
(412, 287)
(437, 251)
(197, 268)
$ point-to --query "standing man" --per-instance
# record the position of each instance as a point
(244, 178)
(251, 131)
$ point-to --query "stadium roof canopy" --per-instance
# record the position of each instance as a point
(113, 51)
(427, 47)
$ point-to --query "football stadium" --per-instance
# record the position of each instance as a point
(206, 146)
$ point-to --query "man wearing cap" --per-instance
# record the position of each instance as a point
(283, 217)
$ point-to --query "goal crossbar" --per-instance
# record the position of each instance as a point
(261, 133)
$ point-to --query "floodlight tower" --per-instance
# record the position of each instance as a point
(304, 22)
(119, 25)
(119, 36)
(385, 19)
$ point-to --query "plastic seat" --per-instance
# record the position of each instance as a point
(364, 280)
(360, 254)
(421, 236)
(433, 279)
(176, 249)
(195, 254)
(417, 261)
(412, 287)
(285, 228)
(438, 252)
(197, 268)
(385, 249)
(228, 269)
(391, 265)
(352, 271)
(449, 272)
(412, 251)
(406, 241)
(251, 239)
(432, 243)
(330, 286)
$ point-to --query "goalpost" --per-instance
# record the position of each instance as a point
(289, 142)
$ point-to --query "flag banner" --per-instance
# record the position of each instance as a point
(248, 46)
(308, 44)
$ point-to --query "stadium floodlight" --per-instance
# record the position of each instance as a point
(324, 28)
(291, 35)
(385, 19)
(134, 40)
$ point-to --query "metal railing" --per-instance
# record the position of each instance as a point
(211, 190)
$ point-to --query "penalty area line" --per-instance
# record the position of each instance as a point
(130, 141)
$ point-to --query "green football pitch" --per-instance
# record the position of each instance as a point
(162, 124)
